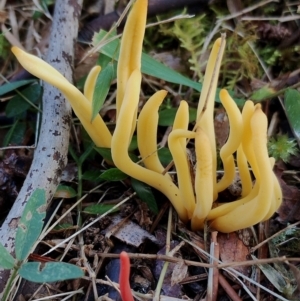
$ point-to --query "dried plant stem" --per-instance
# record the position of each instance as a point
(273, 236)
(220, 265)
(166, 264)
(50, 156)
(213, 274)
(228, 289)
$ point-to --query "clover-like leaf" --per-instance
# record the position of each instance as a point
(6, 260)
(30, 224)
(49, 272)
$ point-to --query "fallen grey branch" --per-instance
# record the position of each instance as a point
(50, 156)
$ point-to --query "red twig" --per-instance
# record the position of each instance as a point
(124, 277)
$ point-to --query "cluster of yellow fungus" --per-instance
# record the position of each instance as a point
(193, 202)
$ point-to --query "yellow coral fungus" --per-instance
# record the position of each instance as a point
(192, 199)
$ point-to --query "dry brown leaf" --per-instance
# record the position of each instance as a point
(179, 272)
(221, 127)
(232, 249)
(143, 215)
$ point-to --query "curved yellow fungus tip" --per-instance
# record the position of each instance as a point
(35, 65)
(247, 113)
(82, 107)
(147, 132)
(205, 111)
(181, 121)
(90, 83)
(131, 47)
(185, 182)
(233, 141)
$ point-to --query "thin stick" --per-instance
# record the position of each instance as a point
(220, 265)
(166, 264)
(273, 236)
(228, 289)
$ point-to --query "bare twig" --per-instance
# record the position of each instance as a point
(228, 289)
(273, 236)
(213, 274)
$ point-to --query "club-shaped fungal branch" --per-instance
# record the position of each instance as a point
(147, 132)
(185, 183)
(125, 290)
(205, 111)
(90, 83)
(203, 180)
(233, 141)
(82, 106)
(181, 120)
(131, 48)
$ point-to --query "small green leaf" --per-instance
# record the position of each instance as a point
(113, 174)
(167, 116)
(18, 104)
(144, 192)
(192, 114)
(262, 93)
(133, 144)
(103, 82)
(50, 272)
(15, 85)
(62, 227)
(86, 153)
(164, 155)
(6, 260)
(4, 47)
(15, 134)
(103, 60)
(134, 157)
(273, 275)
(30, 224)
(292, 107)
(104, 152)
(91, 175)
(65, 192)
(98, 209)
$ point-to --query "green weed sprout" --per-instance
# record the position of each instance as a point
(282, 147)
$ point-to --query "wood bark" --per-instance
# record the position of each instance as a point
(50, 156)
